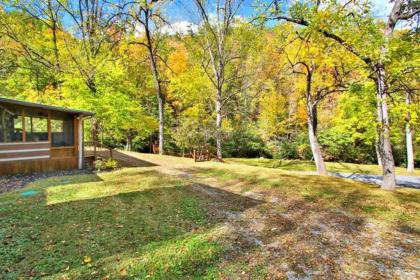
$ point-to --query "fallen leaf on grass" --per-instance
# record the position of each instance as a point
(123, 272)
(87, 259)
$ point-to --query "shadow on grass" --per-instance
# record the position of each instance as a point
(70, 180)
(344, 167)
(326, 192)
(166, 230)
(161, 227)
(316, 222)
(124, 159)
(129, 161)
(295, 164)
(277, 164)
(99, 185)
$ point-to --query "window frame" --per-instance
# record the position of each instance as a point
(28, 117)
(63, 118)
(20, 116)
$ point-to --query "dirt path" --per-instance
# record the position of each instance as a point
(298, 239)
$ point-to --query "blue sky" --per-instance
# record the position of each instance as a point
(184, 10)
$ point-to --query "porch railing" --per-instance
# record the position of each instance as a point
(97, 150)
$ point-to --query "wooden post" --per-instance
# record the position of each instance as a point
(23, 127)
(49, 128)
(94, 136)
(75, 136)
(80, 138)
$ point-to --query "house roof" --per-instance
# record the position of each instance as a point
(45, 107)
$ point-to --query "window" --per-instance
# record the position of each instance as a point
(62, 132)
(10, 126)
(36, 127)
(32, 125)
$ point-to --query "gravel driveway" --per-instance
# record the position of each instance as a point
(403, 181)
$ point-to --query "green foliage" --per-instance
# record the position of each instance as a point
(264, 112)
(352, 136)
(106, 164)
(296, 148)
(244, 142)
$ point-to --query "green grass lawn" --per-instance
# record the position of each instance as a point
(305, 165)
(186, 220)
(88, 226)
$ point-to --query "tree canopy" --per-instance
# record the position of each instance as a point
(240, 84)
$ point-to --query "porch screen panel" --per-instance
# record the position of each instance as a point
(62, 132)
(10, 125)
(36, 127)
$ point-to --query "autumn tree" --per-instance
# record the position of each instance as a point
(94, 29)
(323, 69)
(192, 95)
(25, 33)
(403, 79)
(349, 24)
(147, 15)
(218, 52)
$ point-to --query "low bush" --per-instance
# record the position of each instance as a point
(106, 164)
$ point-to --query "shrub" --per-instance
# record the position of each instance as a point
(296, 148)
(347, 146)
(106, 164)
(244, 143)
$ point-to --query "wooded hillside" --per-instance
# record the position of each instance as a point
(317, 79)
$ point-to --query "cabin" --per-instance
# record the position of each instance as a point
(40, 138)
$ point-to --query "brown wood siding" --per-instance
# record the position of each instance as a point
(62, 152)
(12, 156)
(24, 146)
(12, 152)
(40, 165)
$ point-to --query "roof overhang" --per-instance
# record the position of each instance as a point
(45, 107)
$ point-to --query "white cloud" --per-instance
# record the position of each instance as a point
(179, 27)
(381, 8)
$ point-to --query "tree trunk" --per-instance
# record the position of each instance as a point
(161, 123)
(313, 140)
(312, 117)
(160, 97)
(385, 148)
(54, 30)
(378, 154)
(219, 123)
(161, 108)
(409, 138)
(129, 142)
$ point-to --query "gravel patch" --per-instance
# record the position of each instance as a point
(19, 181)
